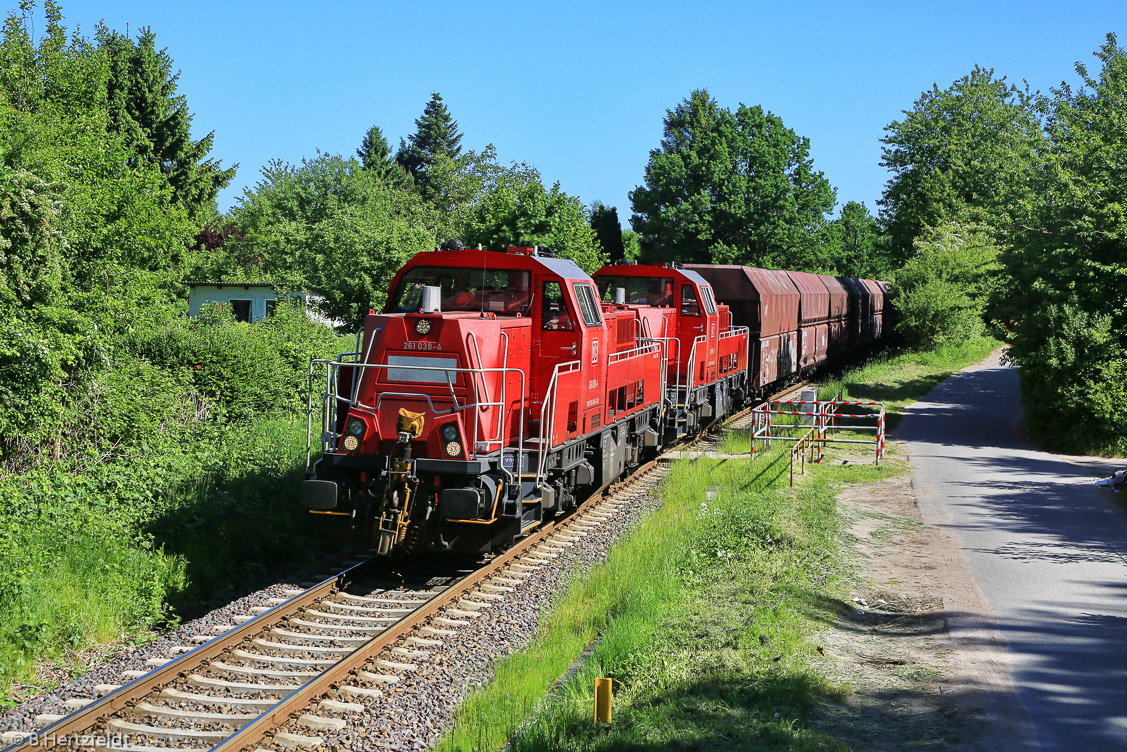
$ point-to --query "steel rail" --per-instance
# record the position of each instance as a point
(54, 736)
(256, 731)
(64, 733)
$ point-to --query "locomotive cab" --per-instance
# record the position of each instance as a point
(706, 356)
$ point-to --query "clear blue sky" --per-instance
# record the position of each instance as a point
(579, 89)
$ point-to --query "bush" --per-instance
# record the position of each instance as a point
(245, 370)
(1074, 379)
(172, 480)
(941, 293)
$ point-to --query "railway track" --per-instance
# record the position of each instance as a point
(293, 675)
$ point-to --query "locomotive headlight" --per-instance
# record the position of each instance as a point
(449, 432)
(422, 326)
(453, 449)
(353, 433)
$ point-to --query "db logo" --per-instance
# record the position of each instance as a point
(594, 351)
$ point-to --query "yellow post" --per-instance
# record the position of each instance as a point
(602, 700)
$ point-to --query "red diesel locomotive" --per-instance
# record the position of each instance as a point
(497, 388)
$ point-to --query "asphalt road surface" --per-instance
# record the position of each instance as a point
(1047, 549)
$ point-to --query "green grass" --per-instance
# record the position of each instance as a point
(116, 554)
(703, 615)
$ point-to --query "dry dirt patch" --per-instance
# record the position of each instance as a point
(914, 647)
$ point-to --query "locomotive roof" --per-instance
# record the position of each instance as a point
(474, 258)
(652, 270)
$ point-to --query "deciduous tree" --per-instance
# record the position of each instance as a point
(517, 210)
(941, 293)
(966, 152)
(332, 225)
(859, 250)
(732, 187)
(1067, 293)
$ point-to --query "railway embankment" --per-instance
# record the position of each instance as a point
(715, 616)
(174, 492)
(705, 609)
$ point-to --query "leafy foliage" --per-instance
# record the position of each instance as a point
(517, 210)
(859, 244)
(732, 187)
(941, 293)
(329, 224)
(1068, 274)
(964, 153)
(631, 246)
(115, 411)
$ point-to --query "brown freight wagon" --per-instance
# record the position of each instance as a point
(813, 318)
(858, 312)
(839, 312)
(767, 302)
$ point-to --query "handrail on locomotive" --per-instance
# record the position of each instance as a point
(329, 410)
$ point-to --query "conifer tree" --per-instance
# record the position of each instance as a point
(608, 230)
(375, 155)
(436, 135)
(145, 108)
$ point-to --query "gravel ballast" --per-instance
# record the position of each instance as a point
(416, 710)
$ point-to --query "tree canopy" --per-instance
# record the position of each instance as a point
(1067, 274)
(331, 225)
(436, 135)
(88, 235)
(155, 122)
(375, 155)
(732, 187)
(966, 153)
(608, 230)
(860, 250)
(941, 293)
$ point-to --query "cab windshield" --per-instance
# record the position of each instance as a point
(501, 291)
(652, 291)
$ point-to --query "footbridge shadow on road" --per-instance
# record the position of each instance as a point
(1060, 648)
(1049, 507)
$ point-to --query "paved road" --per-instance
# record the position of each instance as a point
(1046, 547)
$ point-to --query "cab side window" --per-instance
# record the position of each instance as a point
(689, 304)
(709, 301)
(588, 307)
(553, 311)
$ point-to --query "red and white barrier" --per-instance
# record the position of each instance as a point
(825, 416)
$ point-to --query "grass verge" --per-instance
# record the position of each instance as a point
(704, 612)
(90, 562)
